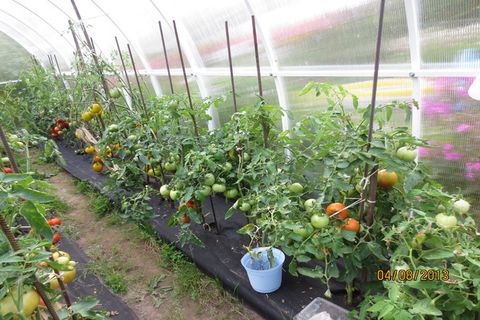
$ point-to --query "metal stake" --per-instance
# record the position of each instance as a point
(231, 67)
(185, 78)
(166, 57)
(77, 45)
(373, 179)
(79, 17)
(137, 79)
(124, 68)
(257, 58)
(217, 226)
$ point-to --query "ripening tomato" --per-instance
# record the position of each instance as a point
(387, 179)
(56, 238)
(54, 222)
(96, 108)
(30, 301)
(97, 159)
(337, 206)
(97, 167)
(87, 116)
(90, 149)
(192, 204)
(351, 225)
(185, 219)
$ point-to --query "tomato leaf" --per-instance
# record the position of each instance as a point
(34, 216)
(425, 307)
(30, 194)
(312, 273)
(437, 253)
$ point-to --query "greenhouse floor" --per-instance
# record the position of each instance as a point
(221, 256)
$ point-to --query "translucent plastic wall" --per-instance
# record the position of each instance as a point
(430, 52)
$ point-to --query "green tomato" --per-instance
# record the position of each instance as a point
(132, 138)
(319, 221)
(461, 206)
(165, 190)
(115, 93)
(206, 191)
(231, 193)
(5, 161)
(407, 154)
(245, 206)
(301, 232)
(219, 188)
(170, 166)
(246, 157)
(227, 166)
(445, 221)
(174, 195)
(113, 128)
(209, 179)
(295, 188)
(309, 205)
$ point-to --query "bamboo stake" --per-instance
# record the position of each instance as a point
(185, 78)
(77, 45)
(166, 58)
(79, 17)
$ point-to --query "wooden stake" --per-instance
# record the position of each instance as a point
(166, 58)
(77, 45)
(127, 79)
(79, 17)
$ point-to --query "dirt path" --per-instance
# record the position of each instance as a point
(151, 290)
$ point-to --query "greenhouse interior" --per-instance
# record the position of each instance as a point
(241, 159)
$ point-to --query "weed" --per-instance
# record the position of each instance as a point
(84, 187)
(100, 206)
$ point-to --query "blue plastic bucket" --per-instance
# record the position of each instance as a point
(262, 278)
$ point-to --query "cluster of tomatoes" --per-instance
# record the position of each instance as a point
(97, 165)
(58, 128)
(190, 204)
(55, 222)
(95, 110)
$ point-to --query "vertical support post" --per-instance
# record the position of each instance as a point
(59, 72)
(8, 151)
(372, 196)
(79, 17)
(166, 57)
(137, 79)
(77, 45)
(230, 64)
(185, 78)
(127, 79)
(257, 58)
(411, 11)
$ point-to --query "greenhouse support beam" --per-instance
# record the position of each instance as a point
(273, 62)
(411, 9)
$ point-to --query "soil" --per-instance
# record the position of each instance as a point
(142, 262)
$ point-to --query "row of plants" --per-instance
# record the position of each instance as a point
(302, 190)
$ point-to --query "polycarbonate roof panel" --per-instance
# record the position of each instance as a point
(14, 54)
(457, 21)
(312, 32)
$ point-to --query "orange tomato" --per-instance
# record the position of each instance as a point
(97, 167)
(337, 206)
(387, 179)
(351, 225)
(97, 159)
(185, 218)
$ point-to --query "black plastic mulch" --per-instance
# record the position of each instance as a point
(222, 253)
(87, 284)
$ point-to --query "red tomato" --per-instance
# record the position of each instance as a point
(55, 222)
(337, 206)
(7, 170)
(56, 238)
(352, 225)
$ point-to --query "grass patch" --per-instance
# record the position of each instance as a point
(113, 273)
(84, 187)
(101, 206)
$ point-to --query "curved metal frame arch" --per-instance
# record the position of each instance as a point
(36, 33)
(195, 61)
(155, 84)
(48, 24)
(24, 42)
(273, 62)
